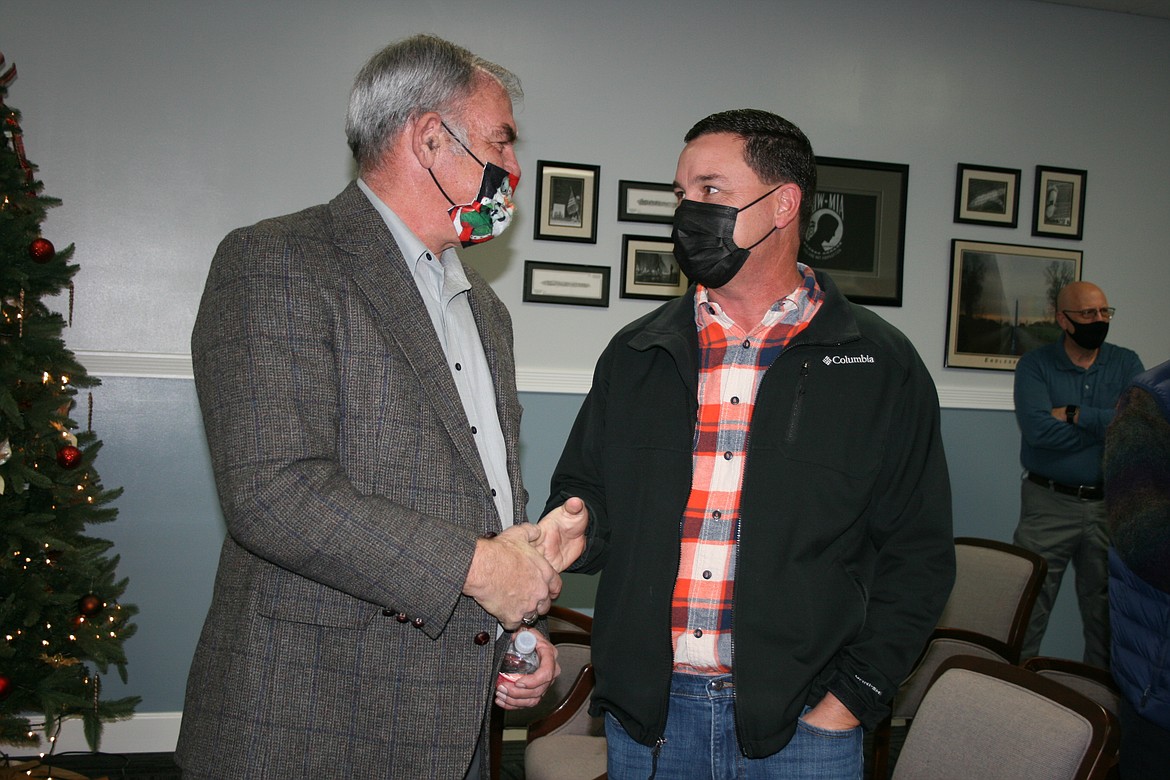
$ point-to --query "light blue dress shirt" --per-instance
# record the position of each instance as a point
(444, 288)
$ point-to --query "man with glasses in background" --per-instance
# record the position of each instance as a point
(1065, 396)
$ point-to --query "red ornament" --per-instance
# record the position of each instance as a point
(68, 457)
(5, 687)
(90, 604)
(42, 250)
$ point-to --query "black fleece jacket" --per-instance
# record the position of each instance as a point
(845, 550)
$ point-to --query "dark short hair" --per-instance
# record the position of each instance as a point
(775, 149)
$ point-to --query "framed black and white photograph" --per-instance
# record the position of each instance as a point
(858, 228)
(987, 196)
(1003, 301)
(644, 201)
(649, 269)
(1059, 203)
(579, 285)
(566, 201)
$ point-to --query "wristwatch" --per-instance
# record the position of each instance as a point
(1070, 413)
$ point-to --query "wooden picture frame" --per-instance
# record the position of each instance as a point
(1003, 301)
(566, 201)
(987, 196)
(858, 228)
(649, 270)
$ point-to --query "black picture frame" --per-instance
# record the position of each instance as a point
(646, 201)
(649, 270)
(566, 201)
(1058, 204)
(566, 283)
(989, 325)
(858, 229)
(987, 196)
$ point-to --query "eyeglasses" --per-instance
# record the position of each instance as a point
(1106, 313)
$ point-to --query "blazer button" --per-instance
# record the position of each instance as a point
(489, 535)
(418, 622)
(402, 617)
(387, 613)
(482, 638)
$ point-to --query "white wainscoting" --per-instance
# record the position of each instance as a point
(529, 380)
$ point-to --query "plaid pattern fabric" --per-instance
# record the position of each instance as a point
(731, 364)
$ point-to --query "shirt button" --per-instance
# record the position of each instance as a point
(474, 430)
(698, 633)
(727, 456)
(717, 514)
(458, 367)
(493, 492)
(747, 343)
(481, 638)
(735, 399)
(706, 575)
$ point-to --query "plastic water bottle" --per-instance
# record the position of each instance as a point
(520, 657)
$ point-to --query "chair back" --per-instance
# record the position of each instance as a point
(571, 632)
(996, 585)
(986, 615)
(565, 620)
(1085, 679)
(992, 720)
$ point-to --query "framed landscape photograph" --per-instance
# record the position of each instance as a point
(1003, 301)
(986, 195)
(644, 201)
(858, 228)
(649, 269)
(1059, 203)
(566, 201)
(579, 285)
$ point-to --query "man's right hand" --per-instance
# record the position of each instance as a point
(510, 578)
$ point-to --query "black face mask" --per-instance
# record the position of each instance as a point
(703, 243)
(1089, 335)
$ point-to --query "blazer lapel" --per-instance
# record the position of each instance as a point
(379, 270)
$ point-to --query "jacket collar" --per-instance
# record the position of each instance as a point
(672, 326)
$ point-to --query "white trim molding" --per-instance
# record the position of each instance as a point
(528, 380)
(144, 732)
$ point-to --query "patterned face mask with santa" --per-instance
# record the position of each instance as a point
(491, 212)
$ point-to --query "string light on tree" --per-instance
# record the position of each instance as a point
(59, 590)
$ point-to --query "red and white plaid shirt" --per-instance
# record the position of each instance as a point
(731, 364)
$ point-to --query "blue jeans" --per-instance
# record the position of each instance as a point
(700, 742)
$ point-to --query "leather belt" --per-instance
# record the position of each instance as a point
(1083, 492)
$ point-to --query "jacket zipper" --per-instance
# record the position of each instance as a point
(797, 405)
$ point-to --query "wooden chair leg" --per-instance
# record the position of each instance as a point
(496, 740)
(881, 750)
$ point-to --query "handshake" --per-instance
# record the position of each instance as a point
(516, 574)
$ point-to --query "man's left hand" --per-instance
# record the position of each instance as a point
(831, 714)
(527, 689)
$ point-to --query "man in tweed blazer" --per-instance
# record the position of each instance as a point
(358, 393)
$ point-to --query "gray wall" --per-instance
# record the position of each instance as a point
(162, 125)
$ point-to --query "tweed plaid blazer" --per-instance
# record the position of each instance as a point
(338, 643)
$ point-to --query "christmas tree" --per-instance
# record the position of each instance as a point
(60, 620)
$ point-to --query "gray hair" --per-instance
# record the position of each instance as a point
(408, 78)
